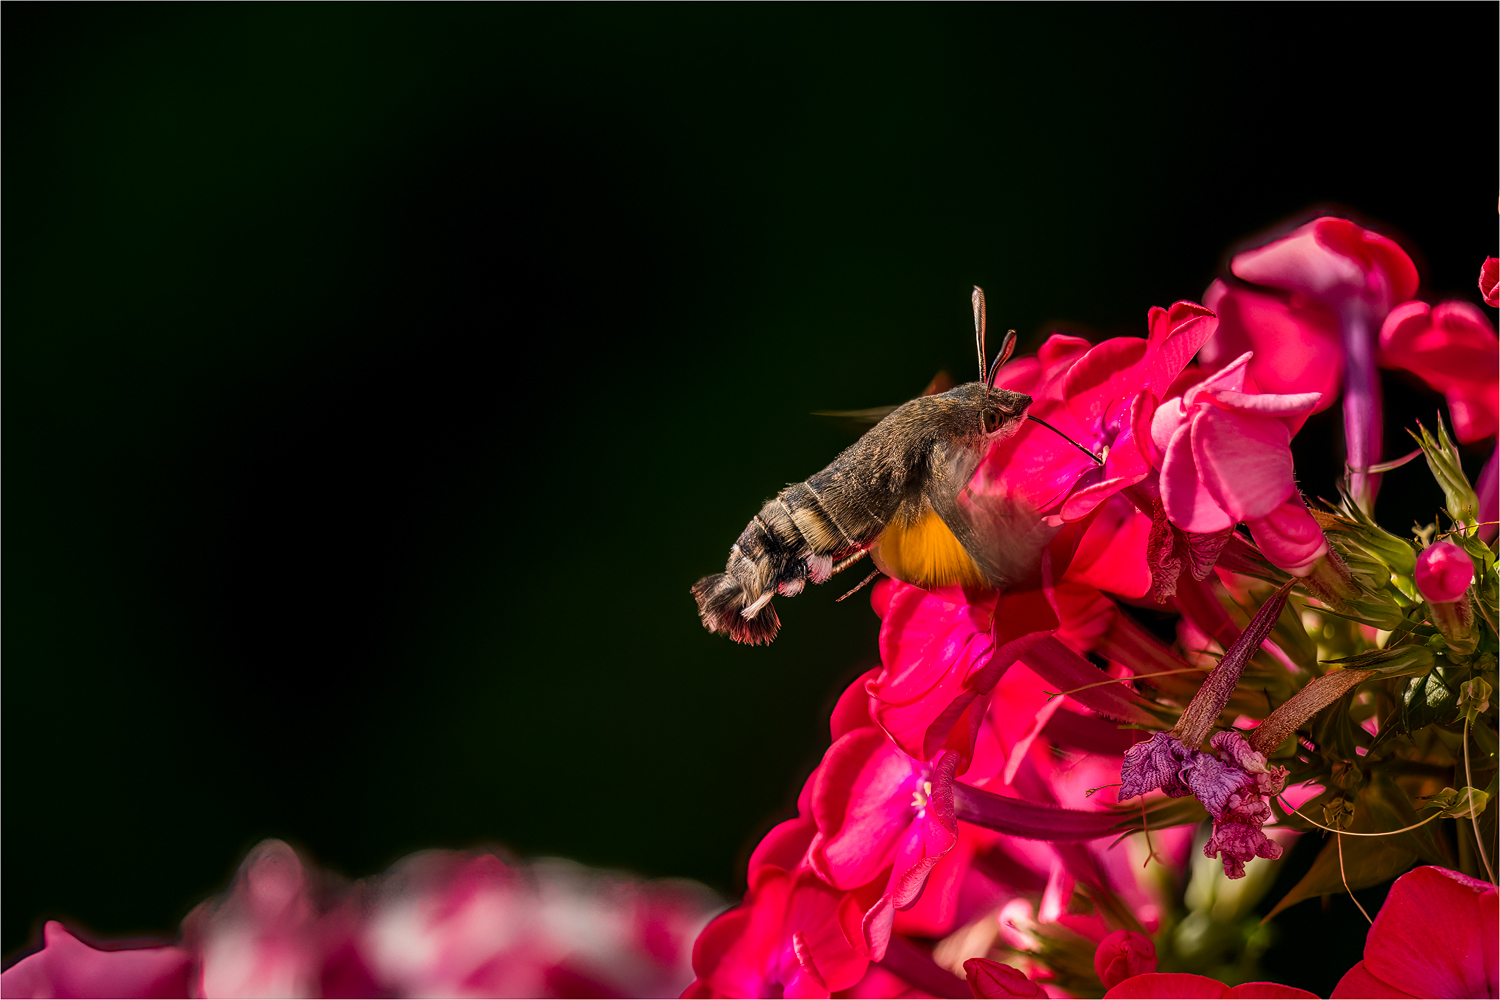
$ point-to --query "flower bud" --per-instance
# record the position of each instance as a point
(1123, 954)
(1444, 572)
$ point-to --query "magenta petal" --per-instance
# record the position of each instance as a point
(1176, 335)
(1103, 376)
(1265, 404)
(1358, 984)
(1244, 462)
(1297, 349)
(1436, 935)
(1290, 537)
(1188, 504)
(1167, 986)
(66, 967)
(862, 801)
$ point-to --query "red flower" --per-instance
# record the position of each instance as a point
(1182, 985)
(942, 653)
(1452, 347)
(1436, 936)
(1489, 279)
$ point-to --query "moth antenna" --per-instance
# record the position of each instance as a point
(978, 299)
(1070, 441)
(1000, 359)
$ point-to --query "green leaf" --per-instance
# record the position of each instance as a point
(1367, 861)
(1426, 700)
(1462, 803)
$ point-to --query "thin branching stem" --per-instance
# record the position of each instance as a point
(1474, 813)
(1351, 833)
(1339, 837)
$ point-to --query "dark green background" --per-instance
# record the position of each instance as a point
(377, 379)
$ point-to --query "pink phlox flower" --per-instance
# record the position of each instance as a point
(1489, 281)
(941, 658)
(878, 810)
(1185, 985)
(67, 967)
(1225, 457)
(1444, 572)
(784, 940)
(1103, 400)
(1336, 281)
(1295, 346)
(1452, 347)
(1123, 954)
(1333, 262)
(264, 937)
(1437, 935)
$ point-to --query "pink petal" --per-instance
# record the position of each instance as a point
(853, 709)
(1176, 335)
(66, 967)
(862, 801)
(1297, 349)
(1265, 404)
(1358, 984)
(1290, 537)
(1332, 260)
(1244, 462)
(1266, 991)
(1489, 279)
(1188, 504)
(1452, 348)
(992, 979)
(1231, 377)
(1099, 381)
(1167, 986)
(1112, 554)
(1436, 935)
(1168, 417)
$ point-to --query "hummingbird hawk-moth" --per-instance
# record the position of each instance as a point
(895, 494)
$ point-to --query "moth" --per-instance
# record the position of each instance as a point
(898, 495)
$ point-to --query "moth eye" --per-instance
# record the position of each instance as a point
(991, 421)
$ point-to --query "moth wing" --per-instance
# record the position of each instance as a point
(1002, 533)
(1004, 536)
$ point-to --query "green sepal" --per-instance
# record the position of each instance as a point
(1443, 459)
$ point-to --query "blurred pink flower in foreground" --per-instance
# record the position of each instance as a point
(439, 923)
(1438, 935)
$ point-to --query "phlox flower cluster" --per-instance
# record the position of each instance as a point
(1010, 798)
(1080, 786)
(437, 924)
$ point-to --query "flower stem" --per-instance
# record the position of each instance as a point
(1339, 837)
(1474, 816)
(1362, 416)
(1351, 833)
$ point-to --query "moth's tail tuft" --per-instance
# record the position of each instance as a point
(721, 599)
